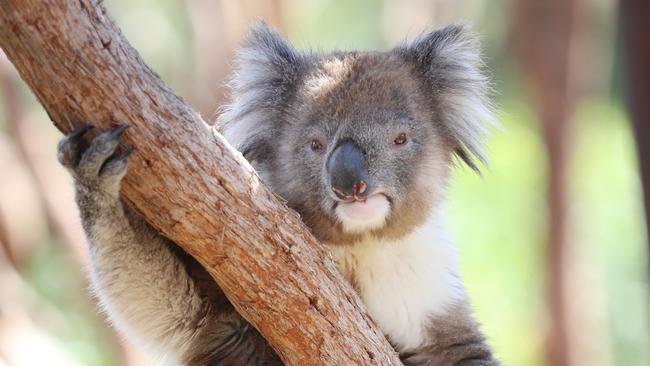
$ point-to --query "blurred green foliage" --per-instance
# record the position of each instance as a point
(56, 276)
(499, 223)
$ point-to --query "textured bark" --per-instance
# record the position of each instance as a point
(191, 185)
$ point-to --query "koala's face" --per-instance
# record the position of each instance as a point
(360, 148)
(358, 143)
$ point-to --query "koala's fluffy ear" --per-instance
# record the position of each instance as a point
(449, 61)
(266, 70)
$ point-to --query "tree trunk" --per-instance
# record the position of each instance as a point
(544, 32)
(191, 185)
(634, 25)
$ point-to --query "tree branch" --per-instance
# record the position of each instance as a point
(191, 185)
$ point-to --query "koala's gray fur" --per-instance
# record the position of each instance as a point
(432, 90)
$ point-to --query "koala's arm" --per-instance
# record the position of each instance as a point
(454, 339)
(152, 290)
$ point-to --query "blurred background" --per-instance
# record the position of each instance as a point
(553, 239)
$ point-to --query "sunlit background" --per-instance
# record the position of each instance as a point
(500, 220)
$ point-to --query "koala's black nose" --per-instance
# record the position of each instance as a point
(346, 168)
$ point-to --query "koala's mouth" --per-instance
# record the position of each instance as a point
(360, 215)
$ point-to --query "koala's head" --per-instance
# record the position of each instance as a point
(359, 142)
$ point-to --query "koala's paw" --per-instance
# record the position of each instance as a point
(97, 167)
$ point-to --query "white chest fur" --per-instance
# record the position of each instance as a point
(403, 282)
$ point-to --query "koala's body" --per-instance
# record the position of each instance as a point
(361, 145)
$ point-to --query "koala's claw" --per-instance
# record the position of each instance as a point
(118, 131)
(69, 148)
(116, 165)
(99, 165)
(100, 150)
(125, 152)
(79, 131)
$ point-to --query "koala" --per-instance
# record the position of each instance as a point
(361, 145)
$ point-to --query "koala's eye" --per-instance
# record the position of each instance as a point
(400, 139)
(316, 145)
